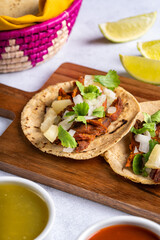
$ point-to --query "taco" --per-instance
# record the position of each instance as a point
(79, 119)
(137, 155)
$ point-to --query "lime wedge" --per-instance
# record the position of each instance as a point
(150, 49)
(128, 29)
(143, 69)
(154, 158)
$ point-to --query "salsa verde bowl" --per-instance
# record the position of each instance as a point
(29, 201)
(140, 222)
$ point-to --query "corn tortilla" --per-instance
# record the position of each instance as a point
(118, 154)
(33, 114)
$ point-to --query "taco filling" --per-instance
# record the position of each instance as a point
(144, 157)
(77, 117)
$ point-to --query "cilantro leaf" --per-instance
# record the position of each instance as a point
(146, 127)
(80, 86)
(156, 117)
(111, 80)
(81, 109)
(99, 112)
(152, 144)
(147, 117)
(137, 164)
(66, 139)
(90, 92)
(153, 118)
(151, 127)
(81, 119)
(68, 114)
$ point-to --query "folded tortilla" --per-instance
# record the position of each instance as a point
(18, 8)
(34, 111)
(118, 154)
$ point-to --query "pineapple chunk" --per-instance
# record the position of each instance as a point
(52, 133)
(89, 80)
(59, 105)
(48, 119)
(46, 124)
(50, 113)
(154, 158)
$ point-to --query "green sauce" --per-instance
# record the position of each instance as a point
(23, 214)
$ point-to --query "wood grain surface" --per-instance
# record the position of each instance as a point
(92, 179)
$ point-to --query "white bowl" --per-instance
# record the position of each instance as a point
(129, 220)
(42, 193)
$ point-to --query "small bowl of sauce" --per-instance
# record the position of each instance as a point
(26, 210)
(121, 228)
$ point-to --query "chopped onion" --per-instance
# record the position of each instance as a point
(66, 124)
(111, 109)
(77, 99)
(144, 142)
(95, 103)
(109, 93)
(147, 133)
(90, 111)
(100, 100)
(92, 102)
(92, 105)
(144, 147)
(136, 150)
(142, 138)
(72, 132)
(90, 117)
(111, 96)
(88, 80)
(69, 150)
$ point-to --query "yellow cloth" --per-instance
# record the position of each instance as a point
(47, 9)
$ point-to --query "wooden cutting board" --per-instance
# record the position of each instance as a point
(92, 179)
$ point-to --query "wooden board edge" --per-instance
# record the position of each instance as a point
(75, 190)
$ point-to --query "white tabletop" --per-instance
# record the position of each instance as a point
(86, 46)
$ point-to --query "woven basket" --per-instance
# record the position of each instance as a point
(28, 47)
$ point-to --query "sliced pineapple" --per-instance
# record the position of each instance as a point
(154, 158)
(60, 105)
(49, 119)
(50, 113)
(89, 80)
(52, 133)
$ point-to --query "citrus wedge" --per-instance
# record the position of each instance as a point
(154, 158)
(150, 49)
(143, 69)
(128, 29)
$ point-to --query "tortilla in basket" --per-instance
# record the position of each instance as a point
(34, 111)
(118, 154)
(18, 8)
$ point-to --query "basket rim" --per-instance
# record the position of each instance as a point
(11, 34)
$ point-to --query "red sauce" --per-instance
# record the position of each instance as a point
(123, 232)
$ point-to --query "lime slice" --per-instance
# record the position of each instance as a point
(128, 29)
(150, 49)
(154, 158)
(143, 69)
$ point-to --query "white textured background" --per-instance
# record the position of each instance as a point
(86, 46)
